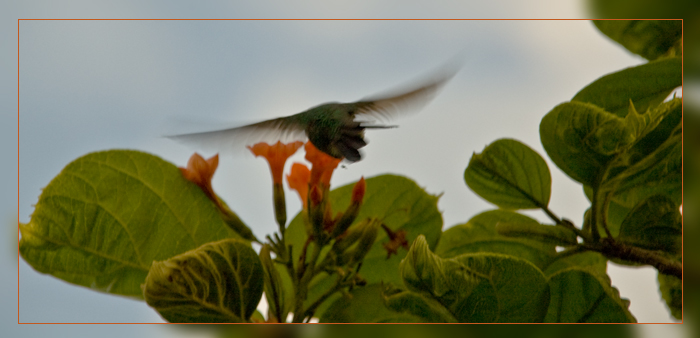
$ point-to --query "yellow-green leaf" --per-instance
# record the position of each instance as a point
(220, 282)
(108, 215)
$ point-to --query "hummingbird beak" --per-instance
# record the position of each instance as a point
(379, 127)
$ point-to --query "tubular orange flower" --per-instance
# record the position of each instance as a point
(322, 165)
(298, 180)
(200, 171)
(276, 155)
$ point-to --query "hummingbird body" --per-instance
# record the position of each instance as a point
(330, 127)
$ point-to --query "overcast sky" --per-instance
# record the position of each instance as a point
(86, 86)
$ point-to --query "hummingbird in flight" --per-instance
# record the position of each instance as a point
(336, 129)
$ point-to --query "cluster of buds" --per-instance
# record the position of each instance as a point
(313, 187)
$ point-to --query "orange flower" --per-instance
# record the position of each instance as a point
(322, 165)
(276, 155)
(200, 171)
(298, 180)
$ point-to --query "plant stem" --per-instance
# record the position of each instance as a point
(565, 223)
(302, 287)
(612, 249)
(551, 215)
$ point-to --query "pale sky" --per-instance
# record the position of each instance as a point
(95, 85)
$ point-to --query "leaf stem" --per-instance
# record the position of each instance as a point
(595, 235)
(565, 223)
(604, 214)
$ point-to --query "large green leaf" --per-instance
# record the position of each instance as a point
(365, 305)
(646, 86)
(220, 282)
(510, 175)
(591, 261)
(653, 165)
(480, 287)
(577, 296)
(400, 203)
(479, 234)
(582, 138)
(108, 215)
(430, 310)
(650, 39)
(654, 224)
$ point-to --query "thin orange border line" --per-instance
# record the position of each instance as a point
(18, 230)
(682, 141)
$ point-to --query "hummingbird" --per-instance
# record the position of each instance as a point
(334, 128)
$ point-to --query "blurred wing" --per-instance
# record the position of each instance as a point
(386, 107)
(285, 129)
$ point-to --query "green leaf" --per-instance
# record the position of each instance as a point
(510, 175)
(220, 282)
(650, 39)
(590, 261)
(581, 139)
(480, 287)
(672, 291)
(400, 203)
(664, 119)
(578, 296)
(419, 305)
(616, 212)
(103, 220)
(646, 86)
(365, 305)
(653, 165)
(654, 224)
(479, 234)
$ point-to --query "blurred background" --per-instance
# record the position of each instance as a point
(93, 85)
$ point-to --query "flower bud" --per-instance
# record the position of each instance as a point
(358, 192)
(317, 212)
(368, 230)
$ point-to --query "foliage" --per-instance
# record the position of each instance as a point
(129, 223)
